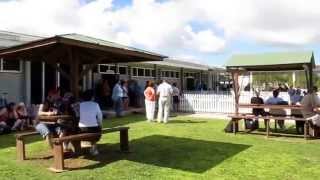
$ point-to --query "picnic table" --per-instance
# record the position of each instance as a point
(268, 106)
(239, 116)
(51, 119)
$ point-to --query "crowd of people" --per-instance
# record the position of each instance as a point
(165, 94)
(308, 101)
(13, 117)
(86, 111)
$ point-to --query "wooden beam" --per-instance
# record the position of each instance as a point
(236, 89)
(61, 71)
(91, 66)
(74, 71)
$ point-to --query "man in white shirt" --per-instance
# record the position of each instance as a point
(275, 100)
(164, 91)
(90, 118)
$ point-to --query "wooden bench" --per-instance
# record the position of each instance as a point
(58, 154)
(20, 144)
(237, 117)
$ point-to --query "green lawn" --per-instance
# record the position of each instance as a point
(185, 148)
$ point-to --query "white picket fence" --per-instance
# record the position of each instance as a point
(222, 102)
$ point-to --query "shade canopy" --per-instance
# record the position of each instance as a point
(75, 50)
(271, 61)
(55, 50)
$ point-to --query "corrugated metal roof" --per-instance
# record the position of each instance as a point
(267, 59)
(101, 42)
(180, 63)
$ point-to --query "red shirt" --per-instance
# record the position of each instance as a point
(150, 94)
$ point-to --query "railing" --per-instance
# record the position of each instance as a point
(222, 102)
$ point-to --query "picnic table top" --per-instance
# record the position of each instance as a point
(54, 118)
(299, 107)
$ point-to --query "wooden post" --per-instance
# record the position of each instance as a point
(305, 128)
(20, 147)
(74, 72)
(236, 89)
(234, 126)
(58, 159)
(124, 140)
(181, 80)
(268, 128)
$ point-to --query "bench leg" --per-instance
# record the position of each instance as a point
(306, 125)
(58, 159)
(124, 141)
(234, 126)
(276, 125)
(20, 147)
(77, 146)
(268, 128)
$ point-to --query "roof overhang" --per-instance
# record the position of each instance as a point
(239, 64)
(47, 49)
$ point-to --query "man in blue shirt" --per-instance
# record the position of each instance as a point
(117, 94)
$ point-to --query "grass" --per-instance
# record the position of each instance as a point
(186, 148)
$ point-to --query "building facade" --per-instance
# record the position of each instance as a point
(29, 82)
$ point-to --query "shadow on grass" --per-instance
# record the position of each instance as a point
(126, 120)
(9, 140)
(184, 154)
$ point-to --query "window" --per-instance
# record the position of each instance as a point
(113, 68)
(134, 72)
(140, 72)
(170, 74)
(153, 73)
(147, 72)
(122, 70)
(10, 65)
(173, 74)
(103, 68)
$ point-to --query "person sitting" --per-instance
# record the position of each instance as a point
(296, 100)
(90, 118)
(254, 124)
(12, 118)
(310, 106)
(4, 128)
(48, 131)
(275, 100)
(22, 115)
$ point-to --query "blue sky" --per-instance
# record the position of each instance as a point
(206, 31)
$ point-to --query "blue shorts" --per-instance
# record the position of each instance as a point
(45, 129)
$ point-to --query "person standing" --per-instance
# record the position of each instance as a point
(164, 91)
(176, 97)
(105, 94)
(117, 94)
(150, 101)
(125, 97)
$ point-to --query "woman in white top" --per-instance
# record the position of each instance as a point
(90, 118)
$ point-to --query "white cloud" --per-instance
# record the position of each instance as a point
(166, 26)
